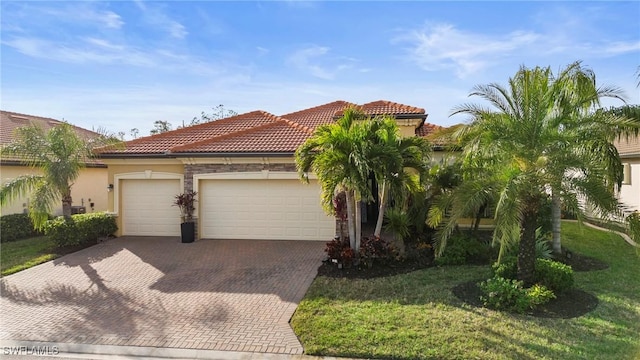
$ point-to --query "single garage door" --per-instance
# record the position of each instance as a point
(147, 207)
(266, 209)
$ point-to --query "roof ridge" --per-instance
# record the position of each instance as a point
(191, 127)
(276, 119)
(298, 126)
(393, 103)
(318, 106)
(30, 118)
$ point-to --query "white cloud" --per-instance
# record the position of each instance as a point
(92, 50)
(155, 15)
(442, 46)
(622, 47)
(313, 60)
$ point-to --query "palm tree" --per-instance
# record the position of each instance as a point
(578, 97)
(338, 154)
(531, 143)
(400, 168)
(60, 154)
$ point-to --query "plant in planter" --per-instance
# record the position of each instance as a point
(185, 202)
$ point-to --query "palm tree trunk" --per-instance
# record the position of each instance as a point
(527, 247)
(383, 206)
(350, 218)
(358, 225)
(555, 222)
(66, 204)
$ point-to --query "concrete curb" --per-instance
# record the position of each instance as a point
(622, 235)
(109, 352)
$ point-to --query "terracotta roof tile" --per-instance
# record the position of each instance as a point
(276, 137)
(319, 115)
(254, 132)
(628, 147)
(161, 143)
(10, 121)
(382, 107)
(426, 129)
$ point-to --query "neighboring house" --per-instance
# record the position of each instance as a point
(629, 195)
(89, 190)
(243, 170)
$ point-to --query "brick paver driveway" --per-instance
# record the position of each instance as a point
(212, 294)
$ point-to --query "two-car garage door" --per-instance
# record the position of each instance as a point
(278, 209)
(270, 209)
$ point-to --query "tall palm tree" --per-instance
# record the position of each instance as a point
(527, 145)
(60, 154)
(338, 154)
(577, 98)
(400, 168)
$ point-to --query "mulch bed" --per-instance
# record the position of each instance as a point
(329, 269)
(569, 304)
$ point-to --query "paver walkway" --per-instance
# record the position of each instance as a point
(232, 295)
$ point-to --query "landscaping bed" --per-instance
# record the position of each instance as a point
(418, 315)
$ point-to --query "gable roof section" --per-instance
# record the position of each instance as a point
(318, 115)
(427, 129)
(10, 121)
(282, 136)
(256, 132)
(164, 142)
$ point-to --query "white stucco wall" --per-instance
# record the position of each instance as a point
(630, 193)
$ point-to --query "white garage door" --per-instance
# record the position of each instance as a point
(147, 208)
(263, 209)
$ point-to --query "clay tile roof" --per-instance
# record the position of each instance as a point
(161, 143)
(318, 115)
(281, 136)
(382, 107)
(628, 147)
(426, 129)
(10, 121)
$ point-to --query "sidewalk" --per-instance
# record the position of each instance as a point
(25, 350)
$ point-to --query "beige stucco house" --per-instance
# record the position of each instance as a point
(89, 190)
(243, 170)
(629, 195)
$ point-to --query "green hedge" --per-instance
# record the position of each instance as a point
(80, 229)
(15, 227)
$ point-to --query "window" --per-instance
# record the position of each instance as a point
(626, 180)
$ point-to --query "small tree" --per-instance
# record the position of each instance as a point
(160, 126)
(60, 154)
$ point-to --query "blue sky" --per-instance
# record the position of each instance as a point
(120, 65)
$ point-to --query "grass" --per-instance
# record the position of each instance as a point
(23, 254)
(415, 315)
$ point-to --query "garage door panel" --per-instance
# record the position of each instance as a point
(147, 207)
(263, 209)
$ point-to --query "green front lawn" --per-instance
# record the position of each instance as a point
(415, 316)
(23, 254)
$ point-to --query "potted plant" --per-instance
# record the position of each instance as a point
(185, 202)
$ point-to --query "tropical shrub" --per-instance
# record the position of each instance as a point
(633, 221)
(508, 294)
(374, 249)
(340, 252)
(504, 294)
(16, 226)
(80, 229)
(463, 248)
(554, 275)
